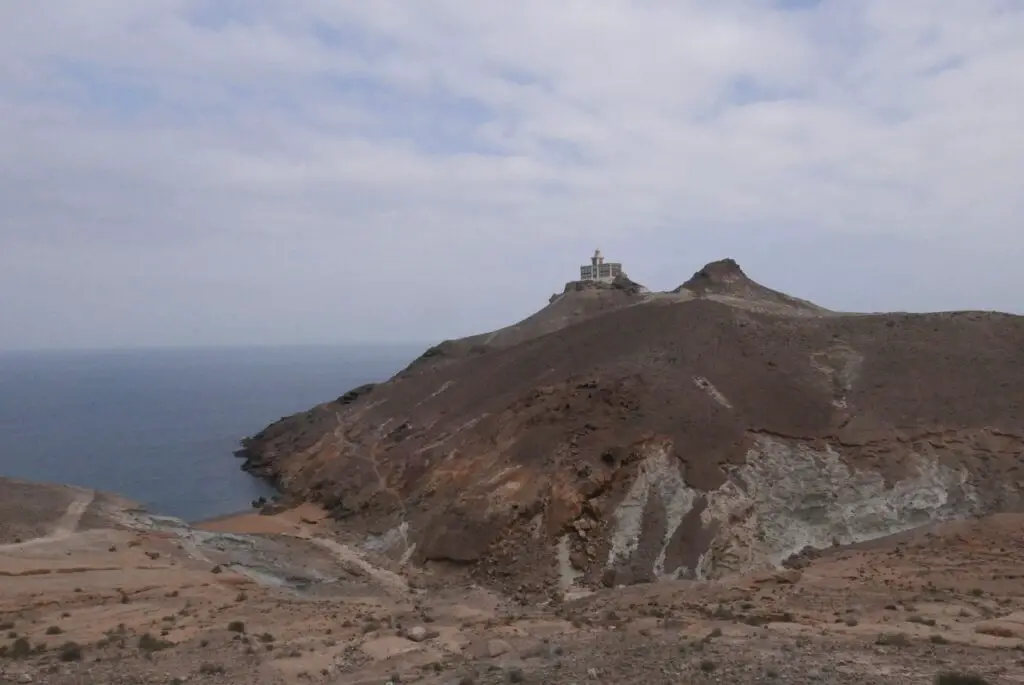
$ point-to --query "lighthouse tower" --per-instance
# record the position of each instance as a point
(599, 270)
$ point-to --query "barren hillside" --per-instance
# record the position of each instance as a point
(717, 429)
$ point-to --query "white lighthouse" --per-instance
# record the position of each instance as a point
(598, 270)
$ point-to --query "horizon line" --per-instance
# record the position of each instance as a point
(216, 347)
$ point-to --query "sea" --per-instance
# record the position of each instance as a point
(160, 426)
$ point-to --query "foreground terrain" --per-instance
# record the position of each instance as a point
(92, 590)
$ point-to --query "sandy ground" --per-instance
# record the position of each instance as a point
(93, 592)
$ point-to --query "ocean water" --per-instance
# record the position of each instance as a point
(160, 426)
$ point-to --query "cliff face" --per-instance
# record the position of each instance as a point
(620, 436)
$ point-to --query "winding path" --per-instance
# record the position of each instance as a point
(343, 443)
(65, 527)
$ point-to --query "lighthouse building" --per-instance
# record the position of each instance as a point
(599, 270)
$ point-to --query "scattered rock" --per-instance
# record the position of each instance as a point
(419, 634)
(272, 509)
(496, 648)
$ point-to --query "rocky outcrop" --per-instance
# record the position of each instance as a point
(724, 281)
(620, 436)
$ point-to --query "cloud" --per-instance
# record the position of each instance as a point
(218, 171)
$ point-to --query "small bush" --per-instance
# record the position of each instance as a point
(6, 625)
(938, 640)
(208, 668)
(54, 630)
(977, 592)
(236, 627)
(952, 678)
(922, 621)
(20, 649)
(723, 612)
(70, 651)
(708, 666)
(148, 643)
(893, 640)
(119, 629)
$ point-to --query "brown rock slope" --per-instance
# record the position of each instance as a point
(631, 436)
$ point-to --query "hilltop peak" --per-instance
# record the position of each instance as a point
(717, 276)
(725, 281)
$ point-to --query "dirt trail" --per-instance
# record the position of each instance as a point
(66, 526)
(371, 459)
(388, 579)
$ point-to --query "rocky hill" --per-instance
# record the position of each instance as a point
(621, 436)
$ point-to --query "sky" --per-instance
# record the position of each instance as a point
(221, 172)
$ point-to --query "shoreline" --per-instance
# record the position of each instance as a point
(196, 523)
(299, 520)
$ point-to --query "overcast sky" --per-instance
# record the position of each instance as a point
(208, 172)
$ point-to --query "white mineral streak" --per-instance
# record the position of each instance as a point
(715, 394)
(658, 472)
(786, 497)
(567, 575)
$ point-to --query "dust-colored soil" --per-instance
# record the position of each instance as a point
(149, 601)
(290, 522)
